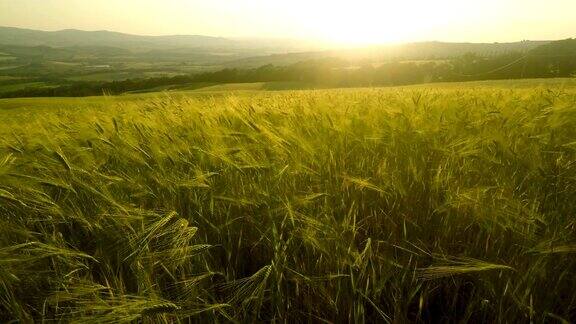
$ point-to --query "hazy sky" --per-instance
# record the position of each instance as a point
(357, 21)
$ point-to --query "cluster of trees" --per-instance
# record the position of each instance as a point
(557, 59)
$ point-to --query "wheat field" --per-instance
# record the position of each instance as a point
(446, 205)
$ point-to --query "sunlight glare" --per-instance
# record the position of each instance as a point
(368, 21)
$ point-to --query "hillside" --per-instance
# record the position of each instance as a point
(565, 47)
(105, 55)
(80, 60)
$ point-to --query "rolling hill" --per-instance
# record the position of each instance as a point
(74, 38)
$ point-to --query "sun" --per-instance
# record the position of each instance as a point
(367, 22)
(362, 25)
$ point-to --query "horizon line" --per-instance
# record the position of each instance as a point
(277, 38)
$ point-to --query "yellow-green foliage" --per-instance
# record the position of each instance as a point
(397, 205)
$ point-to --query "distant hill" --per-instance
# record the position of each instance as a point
(79, 38)
(73, 37)
(566, 47)
(283, 49)
(33, 53)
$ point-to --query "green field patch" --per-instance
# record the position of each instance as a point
(106, 76)
(158, 74)
(505, 84)
(256, 86)
(10, 67)
(20, 86)
(8, 78)
(65, 63)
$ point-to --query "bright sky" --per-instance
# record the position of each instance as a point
(347, 21)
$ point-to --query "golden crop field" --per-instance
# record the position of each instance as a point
(362, 205)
